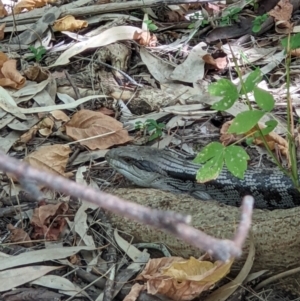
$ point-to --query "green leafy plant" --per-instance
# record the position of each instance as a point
(38, 53)
(229, 15)
(258, 21)
(202, 24)
(151, 26)
(151, 127)
(215, 155)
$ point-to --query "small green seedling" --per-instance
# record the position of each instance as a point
(258, 21)
(151, 26)
(38, 53)
(151, 127)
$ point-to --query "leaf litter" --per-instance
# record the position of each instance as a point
(127, 69)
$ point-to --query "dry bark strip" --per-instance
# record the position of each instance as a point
(276, 233)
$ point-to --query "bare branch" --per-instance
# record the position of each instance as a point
(169, 221)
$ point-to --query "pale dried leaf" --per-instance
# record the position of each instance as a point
(60, 115)
(159, 69)
(19, 276)
(40, 256)
(109, 36)
(62, 284)
(192, 69)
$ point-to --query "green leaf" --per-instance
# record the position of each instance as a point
(256, 28)
(151, 127)
(245, 121)
(138, 125)
(249, 140)
(227, 90)
(264, 99)
(294, 42)
(154, 136)
(270, 126)
(251, 81)
(211, 170)
(236, 160)
(211, 150)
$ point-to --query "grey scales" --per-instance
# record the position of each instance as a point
(167, 170)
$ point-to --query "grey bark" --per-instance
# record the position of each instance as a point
(276, 233)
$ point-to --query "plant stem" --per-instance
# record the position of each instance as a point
(290, 121)
(286, 172)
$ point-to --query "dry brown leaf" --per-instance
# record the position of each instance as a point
(29, 5)
(144, 38)
(3, 11)
(134, 292)
(69, 23)
(175, 16)
(48, 221)
(274, 140)
(3, 59)
(284, 27)
(10, 76)
(19, 235)
(60, 115)
(295, 52)
(228, 138)
(216, 60)
(52, 158)
(107, 131)
(45, 126)
(182, 279)
(36, 73)
(29, 135)
(282, 11)
(107, 111)
(2, 27)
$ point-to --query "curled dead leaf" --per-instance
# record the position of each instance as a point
(36, 73)
(10, 76)
(49, 221)
(60, 115)
(182, 279)
(69, 23)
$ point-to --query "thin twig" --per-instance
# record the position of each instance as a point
(172, 222)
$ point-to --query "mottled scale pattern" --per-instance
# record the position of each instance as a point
(166, 170)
